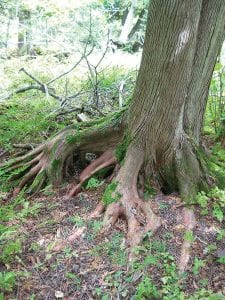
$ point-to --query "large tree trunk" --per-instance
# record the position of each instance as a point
(181, 45)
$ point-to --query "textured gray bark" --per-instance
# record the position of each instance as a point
(209, 41)
(182, 41)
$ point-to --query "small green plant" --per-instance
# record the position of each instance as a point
(218, 197)
(69, 252)
(25, 120)
(115, 281)
(73, 278)
(93, 183)
(114, 249)
(149, 191)
(77, 220)
(29, 210)
(110, 194)
(35, 247)
(18, 209)
(96, 226)
(210, 248)
(163, 205)
(150, 260)
(48, 191)
(9, 249)
(158, 246)
(203, 282)
(171, 289)
(218, 213)
(7, 179)
(217, 202)
(10, 239)
(197, 265)
(146, 290)
(202, 200)
(188, 236)
(221, 259)
(220, 234)
(204, 294)
(7, 281)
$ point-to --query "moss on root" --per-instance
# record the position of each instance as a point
(121, 148)
(187, 173)
(100, 125)
(38, 182)
(110, 194)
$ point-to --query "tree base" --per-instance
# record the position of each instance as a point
(49, 162)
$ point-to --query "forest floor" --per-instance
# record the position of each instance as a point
(66, 255)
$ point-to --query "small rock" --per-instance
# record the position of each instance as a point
(59, 294)
(179, 227)
(41, 242)
(75, 268)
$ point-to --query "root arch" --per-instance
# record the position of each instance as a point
(48, 161)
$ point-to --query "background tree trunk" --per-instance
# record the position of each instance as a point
(209, 42)
(128, 25)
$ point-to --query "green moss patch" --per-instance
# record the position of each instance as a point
(110, 195)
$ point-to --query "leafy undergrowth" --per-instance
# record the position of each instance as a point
(49, 249)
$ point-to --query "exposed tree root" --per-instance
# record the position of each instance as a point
(189, 222)
(98, 211)
(138, 214)
(49, 161)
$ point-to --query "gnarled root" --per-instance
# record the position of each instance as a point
(138, 214)
(49, 160)
(35, 162)
(97, 212)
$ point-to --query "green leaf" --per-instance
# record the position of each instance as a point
(93, 183)
(218, 213)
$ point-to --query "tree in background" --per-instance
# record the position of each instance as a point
(159, 134)
(128, 21)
